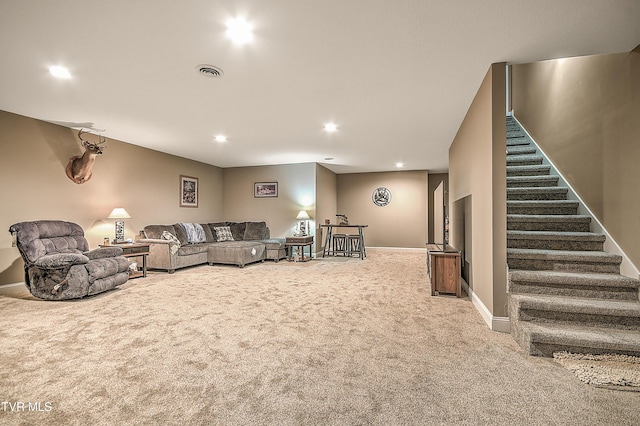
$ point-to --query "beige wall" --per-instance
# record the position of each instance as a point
(434, 181)
(146, 183)
(402, 223)
(33, 158)
(477, 181)
(296, 191)
(585, 114)
(326, 200)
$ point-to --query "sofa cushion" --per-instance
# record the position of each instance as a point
(274, 243)
(106, 267)
(155, 231)
(61, 260)
(103, 252)
(223, 233)
(237, 230)
(181, 234)
(255, 231)
(208, 232)
(236, 252)
(190, 249)
(42, 237)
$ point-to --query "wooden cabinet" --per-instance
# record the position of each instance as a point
(444, 272)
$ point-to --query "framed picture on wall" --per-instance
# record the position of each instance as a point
(265, 189)
(188, 191)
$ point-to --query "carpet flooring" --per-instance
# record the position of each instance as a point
(325, 342)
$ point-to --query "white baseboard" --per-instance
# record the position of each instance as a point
(499, 324)
(12, 288)
(403, 249)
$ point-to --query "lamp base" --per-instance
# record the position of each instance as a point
(119, 231)
(303, 228)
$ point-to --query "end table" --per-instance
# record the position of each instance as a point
(301, 243)
(134, 250)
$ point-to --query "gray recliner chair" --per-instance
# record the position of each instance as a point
(58, 264)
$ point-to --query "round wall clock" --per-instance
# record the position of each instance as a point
(381, 196)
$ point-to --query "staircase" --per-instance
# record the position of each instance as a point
(565, 292)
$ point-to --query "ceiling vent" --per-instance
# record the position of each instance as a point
(209, 71)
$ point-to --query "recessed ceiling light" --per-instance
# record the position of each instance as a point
(221, 138)
(239, 31)
(328, 158)
(330, 127)
(59, 72)
(399, 165)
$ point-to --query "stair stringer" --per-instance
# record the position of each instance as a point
(627, 268)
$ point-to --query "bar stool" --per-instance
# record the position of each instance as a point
(353, 244)
(340, 244)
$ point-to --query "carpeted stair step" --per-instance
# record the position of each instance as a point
(566, 223)
(589, 284)
(576, 241)
(521, 150)
(531, 181)
(619, 314)
(521, 141)
(543, 339)
(515, 133)
(537, 193)
(541, 207)
(565, 292)
(523, 160)
(513, 128)
(563, 260)
(532, 170)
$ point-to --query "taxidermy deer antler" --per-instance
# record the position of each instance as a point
(80, 168)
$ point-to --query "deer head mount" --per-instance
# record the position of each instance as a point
(80, 167)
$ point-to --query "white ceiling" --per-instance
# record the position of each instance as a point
(396, 76)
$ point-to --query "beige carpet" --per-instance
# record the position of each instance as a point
(620, 372)
(327, 342)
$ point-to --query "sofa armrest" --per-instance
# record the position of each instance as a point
(61, 260)
(103, 252)
(162, 253)
(153, 241)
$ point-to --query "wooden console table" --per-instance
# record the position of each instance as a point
(327, 249)
(444, 269)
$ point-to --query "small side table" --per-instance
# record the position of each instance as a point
(444, 269)
(135, 250)
(301, 243)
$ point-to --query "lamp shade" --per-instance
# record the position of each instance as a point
(303, 215)
(119, 213)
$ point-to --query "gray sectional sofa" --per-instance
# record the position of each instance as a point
(180, 245)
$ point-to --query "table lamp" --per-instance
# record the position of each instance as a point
(303, 217)
(119, 213)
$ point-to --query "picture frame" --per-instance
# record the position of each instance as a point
(265, 189)
(188, 191)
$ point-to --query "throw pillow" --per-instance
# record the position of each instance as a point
(173, 248)
(224, 233)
